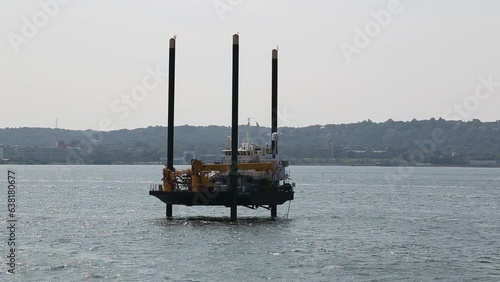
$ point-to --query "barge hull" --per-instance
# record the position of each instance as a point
(188, 198)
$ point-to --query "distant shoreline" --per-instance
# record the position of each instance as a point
(291, 164)
(391, 143)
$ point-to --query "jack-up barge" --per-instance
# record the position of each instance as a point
(253, 178)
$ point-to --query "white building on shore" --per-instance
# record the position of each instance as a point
(60, 153)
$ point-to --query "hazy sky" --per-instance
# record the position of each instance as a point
(339, 61)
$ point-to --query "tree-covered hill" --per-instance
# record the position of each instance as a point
(418, 141)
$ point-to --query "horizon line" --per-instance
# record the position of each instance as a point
(311, 125)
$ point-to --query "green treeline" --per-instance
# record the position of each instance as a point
(437, 142)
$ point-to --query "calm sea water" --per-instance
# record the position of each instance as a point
(87, 223)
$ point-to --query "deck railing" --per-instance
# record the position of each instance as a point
(155, 187)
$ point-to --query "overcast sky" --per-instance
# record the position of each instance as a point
(339, 61)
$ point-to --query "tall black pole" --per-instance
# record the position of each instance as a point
(171, 92)
(274, 115)
(274, 99)
(234, 132)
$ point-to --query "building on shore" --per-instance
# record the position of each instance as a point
(58, 154)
